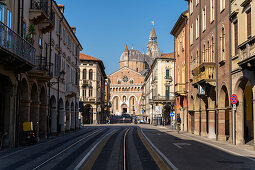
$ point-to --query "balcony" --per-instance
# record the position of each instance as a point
(43, 70)
(71, 90)
(246, 58)
(42, 15)
(204, 73)
(85, 83)
(15, 52)
(180, 89)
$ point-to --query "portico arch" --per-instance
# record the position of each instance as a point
(67, 116)
(53, 116)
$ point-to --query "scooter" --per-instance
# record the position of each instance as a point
(30, 138)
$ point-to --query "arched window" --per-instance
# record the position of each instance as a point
(90, 91)
(203, 59)
(131, 81)
(124, 98)
(222, 43)
(212, 50)
(119, 81)
(208, 52)
(117, 103)
(84, 74)
(90, 74)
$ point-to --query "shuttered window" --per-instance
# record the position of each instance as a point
(249, 23)
(236, 37)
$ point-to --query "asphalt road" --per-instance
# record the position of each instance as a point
(121, 147)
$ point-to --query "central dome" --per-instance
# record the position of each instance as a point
(133, 55)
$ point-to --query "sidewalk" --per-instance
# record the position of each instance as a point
(238, 150)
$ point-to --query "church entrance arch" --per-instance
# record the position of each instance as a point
(124, 108)
(88, 114)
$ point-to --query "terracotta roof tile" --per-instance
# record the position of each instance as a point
(167, 55)
(87, 57)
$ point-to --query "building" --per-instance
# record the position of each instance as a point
(242, 71)
(158, 90)
(92, 89)
(39, 50)
(107, 98)
(181, 33)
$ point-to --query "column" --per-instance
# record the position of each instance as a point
(54, 121)
(240, 123)
(182, 118)
(185, 119)
(211, 124)
(197, 122)
(203, 123)
(68, 122)
(61, 120)
(221, 125)
(72, 120)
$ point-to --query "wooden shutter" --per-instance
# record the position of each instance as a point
(236, 37)
(249, 23)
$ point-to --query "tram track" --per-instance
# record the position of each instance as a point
(68, 148)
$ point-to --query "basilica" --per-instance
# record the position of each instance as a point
(127, 82)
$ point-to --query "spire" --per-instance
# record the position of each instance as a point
(153, 32)
(126, 50)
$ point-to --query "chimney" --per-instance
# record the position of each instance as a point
(62, 8)
(74, 29)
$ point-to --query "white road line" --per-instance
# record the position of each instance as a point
(30, 147)
(91, 151)
(124, 152)
(67, 149)
(160, 153)
(223, 149)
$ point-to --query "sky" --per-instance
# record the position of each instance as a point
(105, 27)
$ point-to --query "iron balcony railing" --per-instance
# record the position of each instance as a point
(43, 5)
(14, 43)
(42, 65)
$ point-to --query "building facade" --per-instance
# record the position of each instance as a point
(181, 33)
(242, 71)
(158, 90)
(92, 89)
(40, 92)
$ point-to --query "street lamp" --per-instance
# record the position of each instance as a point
(60, 78)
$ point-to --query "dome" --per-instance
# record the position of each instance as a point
(133, 55)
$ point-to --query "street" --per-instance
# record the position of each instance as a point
(122, 147)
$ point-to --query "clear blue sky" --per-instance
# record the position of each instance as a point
(104, 27)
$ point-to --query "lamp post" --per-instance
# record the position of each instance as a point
(60, 78)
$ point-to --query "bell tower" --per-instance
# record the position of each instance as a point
(126, 57)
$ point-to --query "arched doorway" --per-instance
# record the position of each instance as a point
(124, 108)
(224, 116)
(88, 117)
(166, 113)
(132, 106)
(244, 119)
(72, 116)
(43, 114)
(191, 114)
(60, 116)
(34, 109)
(53, 116)
(67, 116)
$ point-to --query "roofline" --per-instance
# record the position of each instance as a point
(180, 20)
(128, 68)
(100, 63)
(68, 24)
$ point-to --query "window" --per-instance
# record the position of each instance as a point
(117, 103)
(119, 81)
(90, 74)
(204, 19)
(40, 46)
(2, 14)
(191, 34)
(222, 43)
(222, 5)
(208, 51)
(23, 29)
(236, 37)
(137, 69)
(45, 50)
(131, 81)
(203, 54)
(212, 10)
(84, 92)
(9, 18)
(167, 73)
(249, 24)
(191, 6)
(197, 27)
(167, 92)
(84, 74)
(90, 91)
(212, 50)
(197, 2)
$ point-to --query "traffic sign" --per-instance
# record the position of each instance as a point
(172, 114)
(142, 111)
(234, 107)
(233, 99)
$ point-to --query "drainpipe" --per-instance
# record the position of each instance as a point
(216, 60)
(230, 81)
(200, 61)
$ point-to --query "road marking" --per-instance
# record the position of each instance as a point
(223, 149)
(66, 149)
(170, 164)
(30, 147)
(91, 151)
(181, 144)
(124, 149)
